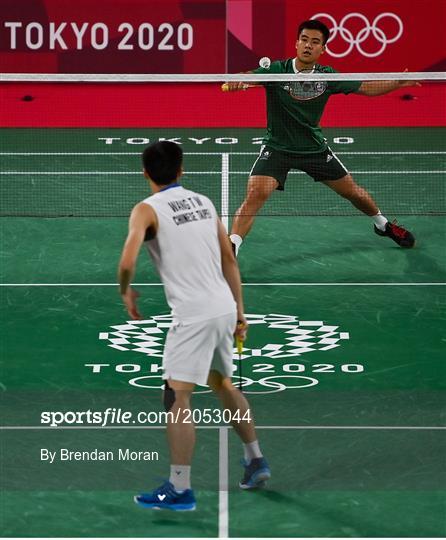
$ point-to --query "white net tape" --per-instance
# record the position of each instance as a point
(222, 77)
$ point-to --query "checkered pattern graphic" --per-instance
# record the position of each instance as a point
(299, 337)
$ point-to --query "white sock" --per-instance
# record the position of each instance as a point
(237, 241)
(251, 451)
(380, 221)
(180, 477)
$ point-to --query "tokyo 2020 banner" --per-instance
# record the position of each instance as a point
(113, 36)
(215, 36)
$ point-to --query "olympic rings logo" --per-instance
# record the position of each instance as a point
(271, 383)
(368, 30)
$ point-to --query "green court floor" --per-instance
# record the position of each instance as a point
(79, 172)
(343, 367)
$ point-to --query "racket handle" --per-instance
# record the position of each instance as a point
(225, 87)
(239, 341)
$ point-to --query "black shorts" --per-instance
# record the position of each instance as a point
(321, 166)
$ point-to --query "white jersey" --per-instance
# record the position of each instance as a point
(186, 252)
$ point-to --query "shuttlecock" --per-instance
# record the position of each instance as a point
(265, 62)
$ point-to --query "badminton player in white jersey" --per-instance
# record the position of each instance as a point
(194, 258)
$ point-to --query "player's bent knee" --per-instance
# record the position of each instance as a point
(261, 187)
(227, 385)
(168, 397)
(215, 380)
(257, 196)
(219, 384)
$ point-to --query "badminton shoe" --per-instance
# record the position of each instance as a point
(398, 234)
(166, 498)
(257, 472)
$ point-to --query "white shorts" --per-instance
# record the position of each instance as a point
(192, 350)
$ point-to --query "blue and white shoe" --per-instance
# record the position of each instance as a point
(257, 472)
(167, 498)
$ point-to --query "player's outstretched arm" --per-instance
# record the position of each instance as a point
(235, 85)
(264, 63)
(379, 88)
(142, 217)
(232, 275)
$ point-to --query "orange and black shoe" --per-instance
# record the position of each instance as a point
(398, 234)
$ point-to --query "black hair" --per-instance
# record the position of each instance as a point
(314, 24)
(162, 161)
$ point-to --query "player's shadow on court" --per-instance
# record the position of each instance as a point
(422, 265)
(274, 496)
(345, 263)
(202, 521)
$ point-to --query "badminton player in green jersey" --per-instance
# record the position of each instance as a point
(294, 139)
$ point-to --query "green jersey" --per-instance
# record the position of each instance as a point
(294, 108)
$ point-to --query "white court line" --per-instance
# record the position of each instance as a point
(104, 153)
(435, 428)
(38, 428)
(353, 171)
(225, 190)
(225, 428)
(408, 153)
(223, 481)
(419, 284)
(187, 173)
(423, 284)
(90, 173)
